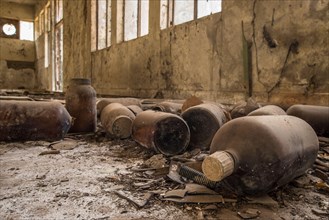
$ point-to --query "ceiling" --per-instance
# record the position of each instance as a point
(25, 2)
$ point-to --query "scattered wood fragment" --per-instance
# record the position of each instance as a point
(49, 152)
(136, 204)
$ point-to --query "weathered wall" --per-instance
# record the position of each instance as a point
(214, 57)
(77, 56)
(289, 49)
(17, 57)
(16, 11)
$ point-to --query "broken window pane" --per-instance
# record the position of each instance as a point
(163, 14)
(130, 19)
(59, 10)
(208, 7)
(101, 38)
(144, 17)
(184, 11)
(26, 30)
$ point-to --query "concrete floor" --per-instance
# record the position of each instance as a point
(81, 180)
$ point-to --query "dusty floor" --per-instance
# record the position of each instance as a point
(87, 174)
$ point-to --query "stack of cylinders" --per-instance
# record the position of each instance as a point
(164, 132)
(316, 116)
(203, 120)
(117, 120)
(80, 102)
(26, 120)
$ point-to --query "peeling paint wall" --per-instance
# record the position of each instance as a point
(276, 51)
(17, 57)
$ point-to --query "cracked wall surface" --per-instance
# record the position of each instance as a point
(287, 55)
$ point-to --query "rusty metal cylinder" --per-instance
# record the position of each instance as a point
(203, 120)
(164, 132)
(80, 102)
(268, 110)
(257, 154)
(29, 120)
(103, 102)
(170, 107)
(316, 116)
(117, 120)
(135, 109)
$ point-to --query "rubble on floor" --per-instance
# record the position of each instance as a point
(98, 176)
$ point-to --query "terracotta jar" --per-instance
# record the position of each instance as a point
(80, 102)
(29, 120)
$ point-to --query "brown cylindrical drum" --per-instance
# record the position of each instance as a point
(29, 120)
(103, 102)
(165, 132)
(135, 109)
(316, 116)
(117, 120)
(170, 107)
(203, 120)
(80, 101)
(268, 110)
(257, 154)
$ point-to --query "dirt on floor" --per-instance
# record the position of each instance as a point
(92, 176)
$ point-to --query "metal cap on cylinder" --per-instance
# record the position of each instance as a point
(121, 126)
(218, 165)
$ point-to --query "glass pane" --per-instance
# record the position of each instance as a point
(59, 10)
(101, 39)
(163, 14)
(144, 17)
(130, 19)
(26, 30)
(184, 11)
(208, 7)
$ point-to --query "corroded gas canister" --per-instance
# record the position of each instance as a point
(117, 120)
(203, 120)
(103, 102)
(170, 107)
(135, 109)
(29, 120)
(316, 116)
(268, 110)
(164, 132)
(80, 102)
(257, 154)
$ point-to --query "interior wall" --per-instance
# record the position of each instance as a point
(17, 57)
(279, 54)
(77, 55)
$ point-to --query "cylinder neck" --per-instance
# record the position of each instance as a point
(218, 165)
